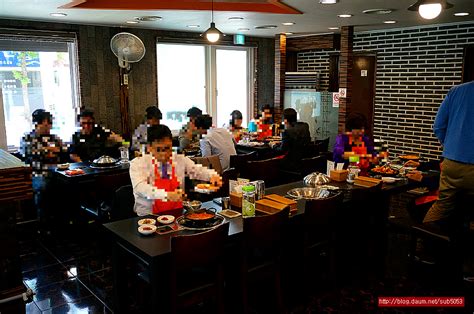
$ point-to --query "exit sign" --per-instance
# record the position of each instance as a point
(239, 39)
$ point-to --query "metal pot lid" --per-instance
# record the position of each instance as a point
(105, 160)
(316, 178)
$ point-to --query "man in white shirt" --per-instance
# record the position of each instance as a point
(158, 176)
(215, 141)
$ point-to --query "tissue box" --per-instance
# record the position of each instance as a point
(268, 207)
(339, 175)
(235, 199)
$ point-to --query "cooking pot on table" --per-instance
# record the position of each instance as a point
(104, 161)
(201, 217)
(316, 178)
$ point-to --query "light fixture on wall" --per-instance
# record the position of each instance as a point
(430, 9)
(212, 34)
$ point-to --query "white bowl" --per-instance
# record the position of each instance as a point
(63, 166)
(165, 219)
(147, 229)
(388, 179)
(147, 221)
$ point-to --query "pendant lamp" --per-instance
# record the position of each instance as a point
(212, 34)
(430, 9)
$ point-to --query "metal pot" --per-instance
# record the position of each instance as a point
(201, 216)
(192, 206)
(316, 178)
(104, 161)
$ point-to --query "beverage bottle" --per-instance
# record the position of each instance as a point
(248, 201)
(124, 152)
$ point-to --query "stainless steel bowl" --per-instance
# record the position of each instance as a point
(316, 178)
(192, 205)
(308, 193)
(104, 161)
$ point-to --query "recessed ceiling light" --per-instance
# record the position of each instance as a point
(333, 28)
(390, 22)
(193, 26)
(149, 18)
(288, 23)
(132, 22)
(266, 27)
(345, 15)
(236, 18)
(58, 14)
(461, 14)
(328, 1)
(378, 11)
(288, 33)
(243, 29)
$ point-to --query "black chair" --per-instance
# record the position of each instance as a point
(320, 224)
(261, 250)
(313, 164)
(196, 268)
(267, 170)
(322, 145)
(123, 203)
(239, 162)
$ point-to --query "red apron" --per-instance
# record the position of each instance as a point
(169, 185)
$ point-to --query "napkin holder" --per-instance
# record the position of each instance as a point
(235, 199)
(268, 207)
(338, 175)
(283, 200)
(366, 181)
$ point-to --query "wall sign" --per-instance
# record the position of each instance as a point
(342, 92)
(335, 100)
(363, 72)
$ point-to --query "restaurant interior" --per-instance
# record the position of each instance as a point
(236, 156)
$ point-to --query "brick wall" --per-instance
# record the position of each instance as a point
(316, 61)
(99, 71)
(415, 69)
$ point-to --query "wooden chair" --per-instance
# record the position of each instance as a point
(320, 220)
(267, 170)
(196, 268)
(261, 250)
(239, 162)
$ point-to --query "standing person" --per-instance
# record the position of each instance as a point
(295, 139)
(153, 116)
(215, 141)
(188, 135)
(158, 176)
(453, 128)
(93, 141)
(43, 151)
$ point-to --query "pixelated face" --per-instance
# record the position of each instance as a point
(266, 114)
(238, 123)
(357, 132)
(44, 127)
(87, 125)
(161, 150)
(153, 121)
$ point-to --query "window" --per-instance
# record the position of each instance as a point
(215, 79)
(37, 73)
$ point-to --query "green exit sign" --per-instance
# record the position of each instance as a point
(239, 39)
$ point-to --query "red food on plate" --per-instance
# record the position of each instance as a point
(74, 172)
(147, 228)
(164, 218)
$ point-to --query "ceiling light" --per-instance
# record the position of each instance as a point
(328, 1)
(390, 22)
(430, 9)
(461, 14)
(236, 18)
(243, 29)
(345, 15)
(132, 22)
(266, 27)
(58, 14)
(193, 26)
(333, 28)
(378, 11)
(288, 33)
(288, 23)
(149, 18)
(212, 34)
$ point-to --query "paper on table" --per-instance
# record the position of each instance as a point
(340, 166)
(330, 167)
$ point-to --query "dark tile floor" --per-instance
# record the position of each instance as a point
(71, 272)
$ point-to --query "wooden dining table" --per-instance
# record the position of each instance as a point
(154, 250)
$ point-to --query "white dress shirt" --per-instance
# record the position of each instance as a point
(218, 142)
(142, 175)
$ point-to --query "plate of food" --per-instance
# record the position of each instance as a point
(205, 188)
(383, 171)
(389, 180)
(147, 221)
(409, 157)
(74, 172)
(147, 229)
(165, 219)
